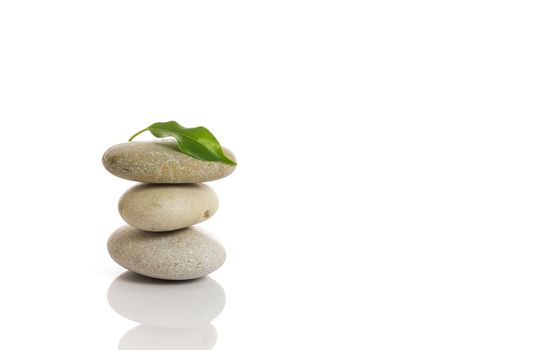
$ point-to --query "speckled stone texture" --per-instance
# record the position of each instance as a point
(167, 207)
(161, 161)
(175, 255)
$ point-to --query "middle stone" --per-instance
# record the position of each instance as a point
(156, 207)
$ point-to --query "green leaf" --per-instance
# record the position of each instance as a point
(197, 142)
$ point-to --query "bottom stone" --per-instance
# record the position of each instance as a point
(175, 255)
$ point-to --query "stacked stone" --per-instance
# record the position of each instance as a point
(160, 241)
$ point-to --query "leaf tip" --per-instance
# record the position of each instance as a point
(138, 133)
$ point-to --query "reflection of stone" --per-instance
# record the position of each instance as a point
(148, 338)
(158, 303)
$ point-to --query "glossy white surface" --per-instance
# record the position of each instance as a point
(394, 187)
(147, 337)
(167, 304)
(173, 315)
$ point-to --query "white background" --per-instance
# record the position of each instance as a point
(394, 188)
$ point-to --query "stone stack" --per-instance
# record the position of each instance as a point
(161, 241)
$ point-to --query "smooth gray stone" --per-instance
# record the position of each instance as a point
(161, 161)
(167, 207)
(175, 255)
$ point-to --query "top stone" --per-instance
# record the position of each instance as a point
(161, 161)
